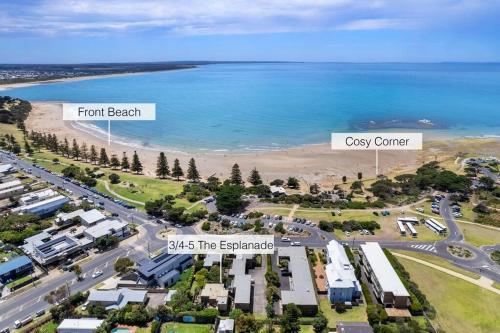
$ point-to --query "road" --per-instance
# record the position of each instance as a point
(27, 303)
(30, 301)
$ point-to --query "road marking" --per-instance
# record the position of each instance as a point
(39, 298)
(105, 266)
(430, 248)
(128, 253)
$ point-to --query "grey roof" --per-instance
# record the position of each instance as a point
(160, 264)
(119, 297)
(83, 324)
(211, 259)
(301, 285)
(353, 327)
(37, 196)
(6, 168)
(386, 276)
(105, 227)
(92, 216)
(226, 325)
(10, 184)
(50, 202)
(243, 285)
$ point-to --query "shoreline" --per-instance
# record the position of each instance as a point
(312, 163)
(8, 86)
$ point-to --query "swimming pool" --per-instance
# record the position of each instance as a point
(120, 330)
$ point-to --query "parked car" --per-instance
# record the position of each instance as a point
(40, 313)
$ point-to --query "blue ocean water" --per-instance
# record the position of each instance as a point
(276, 105)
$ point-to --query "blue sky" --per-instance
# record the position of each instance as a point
(67, 31)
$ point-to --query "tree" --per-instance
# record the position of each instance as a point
(65, 147)
(177, 170)
(123, 265)
(125, 163)
(78, 271)
(213, 183)
(229, 199)
(103, 158)
(85, 152)
(27, 148)
(114, 178)
(314, 189)
(487, 182)
(320, 323)
(75, 150)
(246, 323)
(277, 182)
(293, 183)
(192, 172)
(93, 154)
(114, 163)
(162, 169)
(255, 178)
(236, 175)
(290, 320)
(136, 164)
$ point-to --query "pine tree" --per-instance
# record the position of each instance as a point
(75, 150)
(103, 158)
(236, 175)
(27, 148)
(85, 152)
(136, 164)
(177, 170)
(192, 172)
(115, 162)
(125, 163)
(162, 169)
(93, 154)
(65, 148)
(254, 178)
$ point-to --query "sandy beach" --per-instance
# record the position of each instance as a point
(311, 163)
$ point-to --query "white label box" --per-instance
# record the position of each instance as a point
(109, 111)
(377, 141)
(220, 244)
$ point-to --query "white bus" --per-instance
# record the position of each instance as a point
(401, 227)
(413, 232)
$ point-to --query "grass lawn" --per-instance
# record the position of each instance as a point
(496, 285)
(478, 235)
(18, 281)
(357, 313)
(186, 328)
(49, 327)
(461, 306)
(437, 261)
(281, 210)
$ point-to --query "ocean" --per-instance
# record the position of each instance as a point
(259, 106)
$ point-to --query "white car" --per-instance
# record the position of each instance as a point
(96, 274)
(285, 239)
(295, 243)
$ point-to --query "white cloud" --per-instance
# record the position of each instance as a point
(203, 17)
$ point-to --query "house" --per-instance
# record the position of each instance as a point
(86, 218)
(242, 285)
(225, 326)
(6, 169)
(37, 196)
(45, 207)
(15, 268)
(275, 190)
(164, 269)
(386, 283)
(341, 282)
(117, 299)
(216, 295)
(301, 290)
(211, 259)
(11, 191)
(82, 325)
(107, 228)
(353, 327)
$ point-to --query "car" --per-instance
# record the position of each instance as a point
(285, 239)
(5, 330)
(178, 225)
(40, 313)
(295, 243)
(97, 274)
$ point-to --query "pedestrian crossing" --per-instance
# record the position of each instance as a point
(430, 248)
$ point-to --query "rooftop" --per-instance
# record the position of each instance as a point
(13, 264)
(119, 297)
(214, 291)
(159, 264)
(9, 184)
(49, 201)
(301, 285)
(387, 278)
(353, 327)
(339, 271)
(105, 228)
(83, 323)
(226, 325)
(92, 216)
